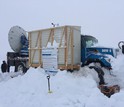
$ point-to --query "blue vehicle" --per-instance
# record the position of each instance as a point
(92, 54)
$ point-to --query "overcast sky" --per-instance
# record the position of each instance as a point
(103, 19)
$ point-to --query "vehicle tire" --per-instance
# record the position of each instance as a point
(20, 67)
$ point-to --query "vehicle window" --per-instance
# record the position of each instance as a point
(88, 41)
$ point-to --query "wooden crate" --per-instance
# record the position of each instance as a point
(69, 49)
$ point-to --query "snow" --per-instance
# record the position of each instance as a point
(77, 89)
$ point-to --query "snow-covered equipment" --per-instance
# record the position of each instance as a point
(109, 90)
(100, 73)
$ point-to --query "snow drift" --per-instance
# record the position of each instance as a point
(78, 89)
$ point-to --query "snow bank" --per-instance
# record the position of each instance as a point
(78, 89)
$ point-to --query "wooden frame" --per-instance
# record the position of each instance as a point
(66, 36)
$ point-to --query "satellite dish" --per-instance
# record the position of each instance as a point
(14, 37)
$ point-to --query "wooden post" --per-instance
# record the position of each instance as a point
(40, 48)
(72, 50)
(66, 47)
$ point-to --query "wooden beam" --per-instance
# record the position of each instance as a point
(62, 37)
(72, 49)
(40, 47)
(63, 67)
(66, 63)
(50, 35)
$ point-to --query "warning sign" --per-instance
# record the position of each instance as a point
(49, 57)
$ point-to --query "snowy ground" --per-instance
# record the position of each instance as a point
(78, 89)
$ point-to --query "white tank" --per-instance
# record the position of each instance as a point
(14, 37)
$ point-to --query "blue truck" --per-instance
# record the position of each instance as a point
(94, 54)
(89, 52)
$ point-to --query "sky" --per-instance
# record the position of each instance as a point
(100, 18)
(77, 89)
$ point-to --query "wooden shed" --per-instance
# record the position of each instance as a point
(69, 48)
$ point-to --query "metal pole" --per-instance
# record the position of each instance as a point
(48, 77)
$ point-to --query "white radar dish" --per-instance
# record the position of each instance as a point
(14, 37)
